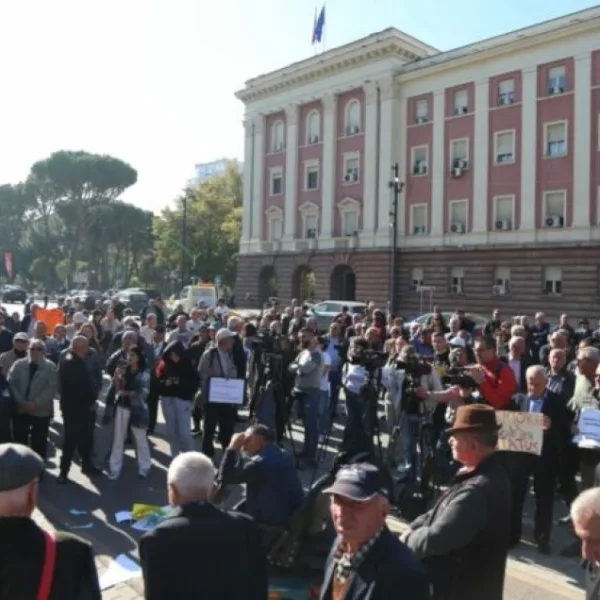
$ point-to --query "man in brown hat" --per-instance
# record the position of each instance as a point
(463, 540)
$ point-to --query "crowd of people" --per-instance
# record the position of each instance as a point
(439, 387)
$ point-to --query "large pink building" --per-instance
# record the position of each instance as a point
(499, 151)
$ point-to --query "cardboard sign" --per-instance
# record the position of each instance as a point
(520, 432)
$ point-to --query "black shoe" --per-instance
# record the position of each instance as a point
(62, 479)
(91, 470)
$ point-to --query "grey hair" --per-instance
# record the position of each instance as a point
(192, 474)
(515, 338)
(590, 353)
(233, 322)
(518, 331)
(586, 505)
(534, 370)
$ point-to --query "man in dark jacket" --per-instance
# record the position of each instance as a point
(202, 552)
(463, 539)
(24, 545)
(366, 560)
(78, 395)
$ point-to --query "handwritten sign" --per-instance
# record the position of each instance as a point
(589, 429)
(226, 391)
(520, 432)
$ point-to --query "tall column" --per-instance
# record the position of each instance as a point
(528, 149)
(440, 168)
(582, 142)
(369, 159)
(258, 196)
(247, 191)
(328, 166)
(291, 172)
(481, 158)
(391, 148)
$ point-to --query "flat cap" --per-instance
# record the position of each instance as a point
(19, 465)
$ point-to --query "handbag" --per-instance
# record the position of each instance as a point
(48, 567)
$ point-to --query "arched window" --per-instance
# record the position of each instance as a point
(277, 137)
(353, 117)
(313, 127)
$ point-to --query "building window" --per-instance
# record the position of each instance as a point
(353, 117)
(553, 280)
(506, 92)
(276, 181)
(501, 284)
(313, 127)
(504, 211)
(351, 168)
(459, 153)
(416, 279)
(557, 80)
(311, 175)
(418, 219)
(277, 136)
(419, 159)
(457, 280)
(275, 223)
(461, 102)
(504, 147)
(310, 220)
(350, 216)
(555, 209)
(458, 216)
(422, 111)
(555, 135)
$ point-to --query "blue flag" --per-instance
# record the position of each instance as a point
(318, 27)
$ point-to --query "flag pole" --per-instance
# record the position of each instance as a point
(313, 31)
(324, 49)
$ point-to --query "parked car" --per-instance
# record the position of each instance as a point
(133, 299)
(479, 320)
(324, 312)
(14, 293)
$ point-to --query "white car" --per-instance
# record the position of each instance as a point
(325, 312)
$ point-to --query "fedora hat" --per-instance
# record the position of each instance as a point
(475, 417)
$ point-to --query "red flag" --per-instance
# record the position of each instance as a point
(8, 263)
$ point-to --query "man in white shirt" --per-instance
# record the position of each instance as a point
(147, 331)
(325, 400)
(196, 321)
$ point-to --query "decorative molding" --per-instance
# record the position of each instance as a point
(349, 204)
(308, 208)
(274, 211)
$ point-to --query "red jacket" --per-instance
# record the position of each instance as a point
(499, 384)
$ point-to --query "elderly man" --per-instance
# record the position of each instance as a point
(36, 563)
(33, 382)
(463, 540)
(201, 551)
(367, 561)
(585, 514)
(181, 333)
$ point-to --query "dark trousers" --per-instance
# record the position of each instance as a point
(357, 437)
(78, 435)
(568, 467)
(33, 432)
(153, 397)
(223, 416)
(543, 469)
(6, 423)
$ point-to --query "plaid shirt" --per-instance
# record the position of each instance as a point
(346, 564)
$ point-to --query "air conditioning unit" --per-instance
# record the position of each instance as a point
(457, 228)
(503, 225)
(351, 176)
(420, 168)
(554, 222)
(352, 130)
(278, 147)
(419, 230)
(504, 158)
(421, 119)
(506, 99)
(498, 290)
(555, 89)
(456, 172)
(460, 110)
(311, 234)
(314, 139)
(461, 163)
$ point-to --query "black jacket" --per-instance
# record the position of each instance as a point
(76, 383)
(184, 379)
(238, 355)
(389, 570)
(22, 552)
(205, 553)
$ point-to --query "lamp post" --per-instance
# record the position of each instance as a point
(183, 237)
(396, 186)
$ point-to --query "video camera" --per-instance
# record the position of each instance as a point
(414, 368)
(368, 358)
(266, 342)
(459, 376)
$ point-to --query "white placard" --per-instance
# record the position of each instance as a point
(520, 431)
(589, 429)
(226, 391)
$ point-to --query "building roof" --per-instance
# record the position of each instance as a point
(413, 54)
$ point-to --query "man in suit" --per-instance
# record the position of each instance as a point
(34, 560)
(544, 467)
(367, 562)
(519, 361)
(201, 551)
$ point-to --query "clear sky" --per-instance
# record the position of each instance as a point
(152, 81)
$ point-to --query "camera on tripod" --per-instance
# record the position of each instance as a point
(459, 376)
(368, 358)
(414, 368)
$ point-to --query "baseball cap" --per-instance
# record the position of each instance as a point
(361, 482)
(458, 341)
(79, 318)
(21, 337)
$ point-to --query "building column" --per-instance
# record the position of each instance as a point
(247, 183)
(391, 149)
(481, 158)
(439, 167)
(258, 194)
(328, 166)
(528, 150)
(582, 142)
(291, 173)
(369, 160)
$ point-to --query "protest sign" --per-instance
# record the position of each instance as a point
(588, 427)
(520, 432)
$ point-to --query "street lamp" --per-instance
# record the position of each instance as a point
(396, 186)
(184, 201)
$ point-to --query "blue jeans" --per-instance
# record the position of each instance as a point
(178, 414)
(310, 415)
